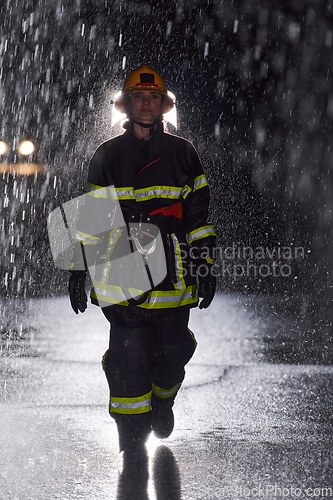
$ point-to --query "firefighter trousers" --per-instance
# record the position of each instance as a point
(144, 366)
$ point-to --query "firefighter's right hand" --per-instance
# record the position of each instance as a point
(77, 291)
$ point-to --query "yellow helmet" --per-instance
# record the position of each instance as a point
(142, 79)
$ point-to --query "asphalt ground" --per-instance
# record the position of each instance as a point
(253, 417)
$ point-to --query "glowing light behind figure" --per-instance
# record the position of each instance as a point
(117, 116)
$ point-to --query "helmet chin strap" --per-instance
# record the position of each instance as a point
(146, 125)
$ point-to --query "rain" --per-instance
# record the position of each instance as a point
(253, 83)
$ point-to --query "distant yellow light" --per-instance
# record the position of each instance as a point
(3, 148)
(26, 148)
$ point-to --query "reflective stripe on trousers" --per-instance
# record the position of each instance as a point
(141, 404)
(165, 393)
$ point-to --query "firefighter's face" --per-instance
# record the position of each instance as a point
(145, 106)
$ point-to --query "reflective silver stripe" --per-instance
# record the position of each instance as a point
(113, 238)
(93, 187)
(112, 193)
(86, 238)
(171, 299)
(98, 193)
(156, 299)
(180, 285)
(108, 293)
(165, 393)
(141, 404)
(200, 182)
(113, 294)
(114, 291)
(125, 193)
(101, 191)
(158, 192)
(185, 191)
(201, 232)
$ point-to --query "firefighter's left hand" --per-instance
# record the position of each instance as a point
(207, 286)
(77, 292)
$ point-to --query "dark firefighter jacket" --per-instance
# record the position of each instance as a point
(146, 177)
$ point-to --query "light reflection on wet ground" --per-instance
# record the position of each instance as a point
(255, 408)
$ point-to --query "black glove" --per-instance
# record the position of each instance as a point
(207, 285)
(77, 292)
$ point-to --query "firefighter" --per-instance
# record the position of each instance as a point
(158, 179)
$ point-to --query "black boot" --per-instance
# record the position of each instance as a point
(163, 423)
(133, 430)
(162, 417)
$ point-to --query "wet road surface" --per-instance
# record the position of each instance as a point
(253, 418)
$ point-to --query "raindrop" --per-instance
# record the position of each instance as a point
(217, 131)
(169, 27)
(328, 40)
(92, 32)
(206, 50)
(257, 53)
(294, 31)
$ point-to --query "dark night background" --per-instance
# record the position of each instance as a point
(253, 82)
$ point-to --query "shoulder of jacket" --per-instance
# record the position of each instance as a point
(177, 141)
(106, 147)
(113, 142)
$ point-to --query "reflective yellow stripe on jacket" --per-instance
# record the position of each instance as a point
(168, 299)
(201, 232)
(200, 182)
(101, 191)
(157, 299)
(113, 238)
(148, 193)
(180, 284)
(128, 193)
(112, 294)
(86, 239)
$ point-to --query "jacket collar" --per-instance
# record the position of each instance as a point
(128, 126)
